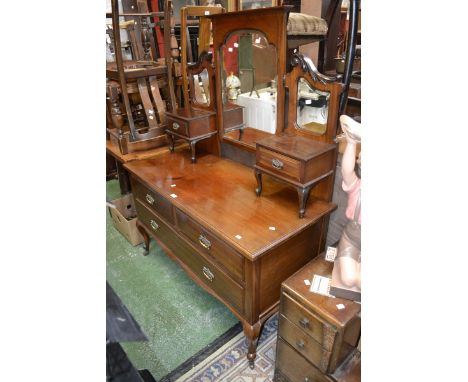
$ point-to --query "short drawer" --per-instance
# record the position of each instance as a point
(304, 344)
(178, 126)
(205, 241)
(154, 224)
(278, 163)
(154, 201)
(309, 323)
(291, 366)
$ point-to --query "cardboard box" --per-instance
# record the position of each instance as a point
(124, 218)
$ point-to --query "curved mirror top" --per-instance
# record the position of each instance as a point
(312, 108)
(201, 87)
(249, 86)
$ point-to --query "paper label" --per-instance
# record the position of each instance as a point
(306, 282)
(272, 228)
(340, 306)
(320, 285)
(238, 237)
(308, 101)
(173, 196)
(173, 185)
(207, 13)
(331, 254)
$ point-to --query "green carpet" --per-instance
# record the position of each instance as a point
(178, 317)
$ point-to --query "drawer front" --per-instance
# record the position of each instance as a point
(178, 126)
(278, 163)
(205, 270)
(233, 118)
(154, 224)
(154, 201)
(294, 367)
(309, 323)
(304, 344)
(209, 244)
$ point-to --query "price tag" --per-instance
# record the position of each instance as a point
(308, 101)
(173, 196)
(320, 285)
(331, 254)
(207, 13)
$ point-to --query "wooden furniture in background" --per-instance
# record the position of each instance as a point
(137, 107)
(235, 245)
(317, 334)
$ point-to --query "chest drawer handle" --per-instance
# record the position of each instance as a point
(149, 199)
(276, 163)
(305, 323)
(208, 274)
(154, 225)
(300, 344)
(204, 242)
(306, 379)
(175, 125)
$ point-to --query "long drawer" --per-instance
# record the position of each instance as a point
(204, 269)
(304, 344)
(154, 201)
(294, 367)
(308, 322)
(209, 244)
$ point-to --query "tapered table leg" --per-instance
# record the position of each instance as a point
(303, 193)
(145, 235)
(252, 333)
(192, 149)
(171, 142)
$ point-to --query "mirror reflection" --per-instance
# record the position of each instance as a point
(312, 108)
(201, 87)
(249, 85)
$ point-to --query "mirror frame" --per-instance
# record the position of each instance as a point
(303, 67)
(204, 62)
(271, 22)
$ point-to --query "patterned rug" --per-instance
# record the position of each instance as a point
(229, 363)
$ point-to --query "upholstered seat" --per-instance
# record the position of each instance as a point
(300, 24)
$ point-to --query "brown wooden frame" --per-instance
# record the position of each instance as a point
(302, 67)
(271, 22)
(204, 62)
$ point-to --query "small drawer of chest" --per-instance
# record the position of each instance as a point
(306, 321)
(291, 367)
(304, 344)
(178, 126)
(211, 245)
(279, 163)
(154, 201)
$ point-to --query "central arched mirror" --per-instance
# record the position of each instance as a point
(312, 108)
(249, 82)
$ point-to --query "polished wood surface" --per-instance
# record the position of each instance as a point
(215, 188)
(235, 245)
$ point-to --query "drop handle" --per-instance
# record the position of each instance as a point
(300, 344)
(149, 199)
(305, 323)
(204, 242)
(154, 225)
(208, 274)
(306, 379)
(276, 163)
(175, 125)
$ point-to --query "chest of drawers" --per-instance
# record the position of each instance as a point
(296, 160)
(190, 125)
(314, 331)
(237, 247)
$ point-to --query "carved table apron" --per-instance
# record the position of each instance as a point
(237, 246)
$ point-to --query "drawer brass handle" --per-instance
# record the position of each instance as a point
(276, 163)
(154, 225)
(306, 379)
(208, 274)
(175, 125)
(304, 322)
(149, 199)
(300, 344)
(204, 242)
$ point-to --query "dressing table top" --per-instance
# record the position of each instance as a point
(220, 194)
